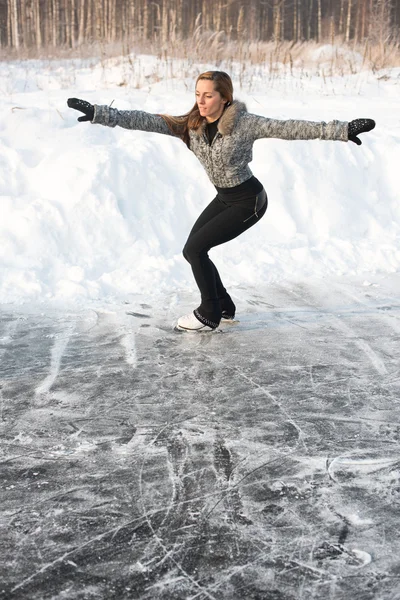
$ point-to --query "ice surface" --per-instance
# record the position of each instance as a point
(260, 462)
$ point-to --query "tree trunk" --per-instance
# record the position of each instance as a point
(299, 34)
(9, 29)
(145, 20)
(341, 17)
(54, 22)
(252, 22)
(217, 18)
(13, 12)
(67, 25)
(310, 10)
(131, 21)
(112, 21)
(107, 21)
(81, 19)
(277, 20)
(164, 22)
(357, 22)
(99, 17)
(24, 23)
(240, 24)
(319, 21)
(172, 25)
(348, 21)
(36, 23)
(73, 23)
(363, 20)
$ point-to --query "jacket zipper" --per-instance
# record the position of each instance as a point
(209, 147)
(216, 136)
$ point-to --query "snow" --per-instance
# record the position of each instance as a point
(92, 215)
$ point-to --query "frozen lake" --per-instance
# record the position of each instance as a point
(261, 462)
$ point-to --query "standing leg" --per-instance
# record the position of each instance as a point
(215, 208)
(226, 303)
(218, 224)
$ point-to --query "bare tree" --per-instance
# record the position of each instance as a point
(319, 21)
(341, 18)
(36, 23)
(277, 19)
(348, 20)
(310, 12)
(380, 30)
(81, 20)
(13, 23)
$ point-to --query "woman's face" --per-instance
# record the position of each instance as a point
(211, 103)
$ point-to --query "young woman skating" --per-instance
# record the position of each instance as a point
(221, 133)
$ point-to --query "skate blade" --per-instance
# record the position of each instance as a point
(229, 322)
(194, 331)
(223, 324)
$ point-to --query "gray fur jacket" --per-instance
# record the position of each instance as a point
(226, 160)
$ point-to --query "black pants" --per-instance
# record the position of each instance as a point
(220, 222)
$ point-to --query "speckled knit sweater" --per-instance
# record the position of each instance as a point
(226, 160)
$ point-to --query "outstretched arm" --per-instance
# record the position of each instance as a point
(263, 127)
(111, 117)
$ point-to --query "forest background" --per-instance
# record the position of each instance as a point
(255, 31)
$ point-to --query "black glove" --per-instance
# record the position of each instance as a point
(359, 126)
(83, 106)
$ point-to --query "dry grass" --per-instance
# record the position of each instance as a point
(339, 58)
(331, 59)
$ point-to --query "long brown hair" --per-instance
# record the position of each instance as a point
(181, 125)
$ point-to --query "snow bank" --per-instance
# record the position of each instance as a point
(91, 214)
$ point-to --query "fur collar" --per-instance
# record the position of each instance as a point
(228, 119)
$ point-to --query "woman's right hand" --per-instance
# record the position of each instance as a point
(83, 106)
(359, 126)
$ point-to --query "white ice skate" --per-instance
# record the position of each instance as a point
(192, 323)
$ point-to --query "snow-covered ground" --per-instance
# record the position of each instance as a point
(92, 215)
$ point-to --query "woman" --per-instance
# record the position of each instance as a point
(221, 133)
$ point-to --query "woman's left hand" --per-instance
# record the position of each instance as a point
(359, 126)
(82, 106)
